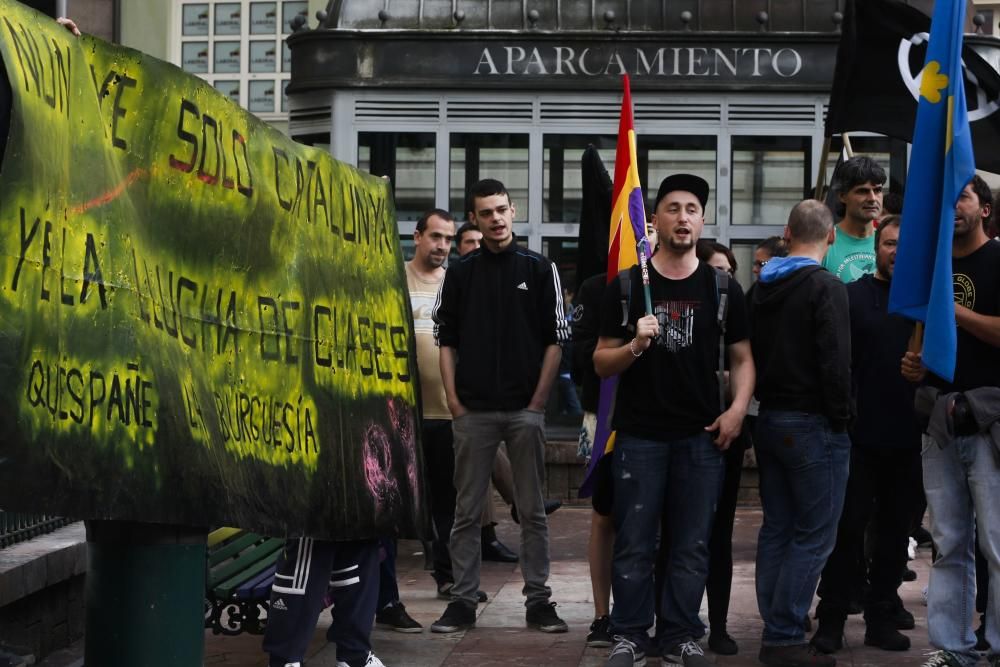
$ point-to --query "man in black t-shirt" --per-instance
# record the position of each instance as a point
(671, 430)
(960, 458)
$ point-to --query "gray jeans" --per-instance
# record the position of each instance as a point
(477, 436)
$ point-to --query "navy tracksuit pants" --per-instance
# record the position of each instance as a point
(306, 569)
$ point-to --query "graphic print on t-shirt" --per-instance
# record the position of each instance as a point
(965, 290)
(676, 319)
(855, 265)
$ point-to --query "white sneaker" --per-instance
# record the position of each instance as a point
(911, 550)
(372, 661)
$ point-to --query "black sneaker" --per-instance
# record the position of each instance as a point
(457, 617)
(600, 633)
(625, 654)
(542, 616)
(686, 654)
(944, 659)
(394, 617)
(722, 643)
(902, 618)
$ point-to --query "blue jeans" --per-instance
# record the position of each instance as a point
(803, 469)
(962, 483)
(682, 478)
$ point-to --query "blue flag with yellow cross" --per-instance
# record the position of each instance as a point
(941, 164)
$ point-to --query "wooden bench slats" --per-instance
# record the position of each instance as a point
(232, 549)
(256, 588)
(239, 574)
(264, 561)
(220, 535)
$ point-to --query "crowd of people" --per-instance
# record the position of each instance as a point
(808, 367)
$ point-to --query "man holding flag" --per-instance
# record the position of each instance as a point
(961, 460)
(670, 428)
(945, 256)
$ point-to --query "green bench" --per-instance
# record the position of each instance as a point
(239, 573)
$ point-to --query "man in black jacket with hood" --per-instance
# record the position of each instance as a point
(800, 334)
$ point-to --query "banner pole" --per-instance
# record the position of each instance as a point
(847, 144)
(821, 176)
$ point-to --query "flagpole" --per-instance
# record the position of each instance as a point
(847, 144)
(916, 343)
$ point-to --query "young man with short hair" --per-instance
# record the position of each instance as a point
(500, 320)
(670, 428)
(467, 238)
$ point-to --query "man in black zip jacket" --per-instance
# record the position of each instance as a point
(800, 334)
(885, 473)
(500, 319)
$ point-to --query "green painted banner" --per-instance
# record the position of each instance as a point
(201, 321)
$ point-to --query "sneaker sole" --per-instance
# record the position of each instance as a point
(448, 629)
(549, 628)
(409, 631)
(600, 643)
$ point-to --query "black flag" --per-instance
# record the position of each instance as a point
(876, 83)
(595, 216)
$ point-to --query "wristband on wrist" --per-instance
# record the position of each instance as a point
(631, 348)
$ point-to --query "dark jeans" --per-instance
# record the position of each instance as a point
(680, 478)
(439, 459)
(883, 486)
(803, 468)
(719, 584)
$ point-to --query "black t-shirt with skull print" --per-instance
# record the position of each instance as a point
(672, 390)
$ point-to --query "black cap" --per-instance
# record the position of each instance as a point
(696, 185)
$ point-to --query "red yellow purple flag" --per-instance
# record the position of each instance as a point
(628, 227)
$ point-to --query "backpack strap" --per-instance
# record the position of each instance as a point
(722, 280)
(625, 282)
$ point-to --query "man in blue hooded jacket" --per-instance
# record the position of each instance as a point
(801, 340)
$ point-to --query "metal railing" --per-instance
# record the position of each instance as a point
(19, 526)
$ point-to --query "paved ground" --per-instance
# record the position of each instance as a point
(500, 637)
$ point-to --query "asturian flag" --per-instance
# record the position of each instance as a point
(628, 225)
(941, 164)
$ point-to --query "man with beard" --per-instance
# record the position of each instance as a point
(670, 428)
(884, 481)
(858, 183)
(500, 320)
(961, 455)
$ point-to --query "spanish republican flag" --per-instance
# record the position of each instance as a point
(628, 226)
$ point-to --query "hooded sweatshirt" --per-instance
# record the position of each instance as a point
(801, 339)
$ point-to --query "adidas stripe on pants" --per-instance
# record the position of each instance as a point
(306, 569)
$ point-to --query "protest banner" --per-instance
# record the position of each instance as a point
(202, 322)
